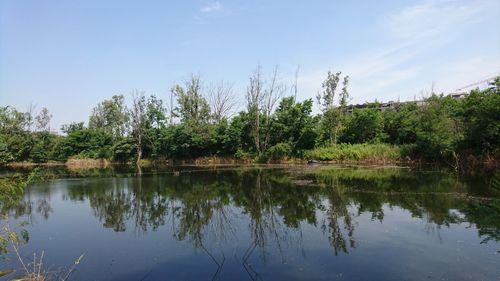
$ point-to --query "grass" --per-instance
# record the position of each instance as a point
(75, 163)
(367, 153)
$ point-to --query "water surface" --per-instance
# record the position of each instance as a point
(264, 223)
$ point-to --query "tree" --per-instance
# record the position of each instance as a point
(400, 123)
(255, 96)
(138, 114)
(272, 94)
(261, 101)
(326, 99)
(30, 117)
(84, 142)
(366, 125)
(11, 120)
(344, 94)
(43, 120)
(294, 124)
(156, 121)
(332, 116)
(156, 113)
(13, 129)
(193, 108)
(69, 128)
(222, 101)
(5, 154)
(436, 132)
(111, 116)
(480, 114)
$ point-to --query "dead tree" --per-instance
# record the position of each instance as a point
(222, 101)
(272, 95)
(255, 96)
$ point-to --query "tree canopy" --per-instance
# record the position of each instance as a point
(272, 126)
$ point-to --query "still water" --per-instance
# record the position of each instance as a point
(264, 223)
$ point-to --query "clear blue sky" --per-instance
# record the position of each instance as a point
(70, 55)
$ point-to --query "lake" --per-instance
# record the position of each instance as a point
(264, 223)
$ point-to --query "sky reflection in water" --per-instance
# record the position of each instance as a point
(286, 223)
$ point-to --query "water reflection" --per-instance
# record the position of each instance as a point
(250, 219)
(201, 203)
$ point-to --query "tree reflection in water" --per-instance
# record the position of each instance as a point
(208, 206)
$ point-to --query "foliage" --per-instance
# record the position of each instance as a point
(439, 128)
(436, 132)
(481, 117)
(193, 108)
(356, 152)
(279, 151)
(110, 116)
(123, 150)
(294, 125)
(333, 116)
(87, 143)
(400, 123)
(364, 126)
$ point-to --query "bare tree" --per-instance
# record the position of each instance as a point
(255, 96)
(296, 82)
(171, 106)
(222, 101)
(272, 95)
(261, 102)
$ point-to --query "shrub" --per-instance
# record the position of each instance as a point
(241, 155)
(279, 151)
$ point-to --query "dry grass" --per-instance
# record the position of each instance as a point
(35, 270)
(85, 163)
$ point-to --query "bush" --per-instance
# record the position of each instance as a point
(241, 155)
(5, 155)
(279, 151)
(123, 150)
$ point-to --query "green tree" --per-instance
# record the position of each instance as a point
(480, 114)
(400, 123)
(436, 132)
(294, 124)
(85, 142)
(111, 116)
(193, 108)
(13, 125)
(365, 125)
(332, 118)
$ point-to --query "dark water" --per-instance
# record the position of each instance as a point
(263, 223)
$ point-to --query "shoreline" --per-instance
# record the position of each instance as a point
(89, 163)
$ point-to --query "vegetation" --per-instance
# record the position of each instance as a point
(273, 127)
(375, 153)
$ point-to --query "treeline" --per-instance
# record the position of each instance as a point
(273, 126)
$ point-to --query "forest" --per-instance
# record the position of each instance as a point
(273, 126)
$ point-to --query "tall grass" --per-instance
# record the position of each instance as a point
(372, 153)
